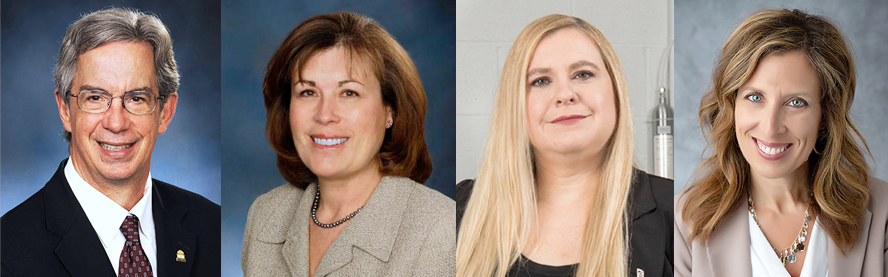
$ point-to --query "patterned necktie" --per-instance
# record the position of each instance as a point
(133, 261)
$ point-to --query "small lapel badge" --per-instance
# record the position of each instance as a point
(639, 272)
(180, 256)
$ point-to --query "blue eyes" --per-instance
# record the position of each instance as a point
(796, 103)
(754, 98)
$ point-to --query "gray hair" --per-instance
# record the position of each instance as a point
(114, 25)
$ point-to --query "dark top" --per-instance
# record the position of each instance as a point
(49, 234)
(650, 229)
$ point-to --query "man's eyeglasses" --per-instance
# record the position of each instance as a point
(137, 102)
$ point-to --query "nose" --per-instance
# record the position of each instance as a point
(326, 111)
(565, 95)
(116, 117)
(773, 119)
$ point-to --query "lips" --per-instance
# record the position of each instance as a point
(568, 119)
(325, 141)
(114, 147)
(770, 150)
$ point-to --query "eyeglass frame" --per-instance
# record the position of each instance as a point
(122, 100)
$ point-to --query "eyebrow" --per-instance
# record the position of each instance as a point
(572, 67)
(341, 83)
(750, 88)
(88, 87)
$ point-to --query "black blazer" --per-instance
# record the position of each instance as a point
(650, 231)
(49, 234)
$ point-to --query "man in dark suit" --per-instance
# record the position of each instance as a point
(102, 214)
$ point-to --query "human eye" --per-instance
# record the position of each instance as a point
(540, 82)
(307, 93)
(583, 75)
(95, 96)
(798, 103)
(137, 97)
(349, 93)
(754, 97)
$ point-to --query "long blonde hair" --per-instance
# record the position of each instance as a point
(501, 212)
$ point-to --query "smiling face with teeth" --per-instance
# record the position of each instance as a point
(778, 115)
(337, 116)
(114, 148)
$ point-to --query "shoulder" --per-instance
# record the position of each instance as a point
(24, 219)
(878, 198)
(194, 201)
(282, 196)
(463, 193)
(661, 189)
(427, 201)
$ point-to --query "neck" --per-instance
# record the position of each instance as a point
(564, 180)
(125, 192)
(781, 194)
(342, 196)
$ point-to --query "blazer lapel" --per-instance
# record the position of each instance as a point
(171, 236)
(79, 249)
(728, 248)
(852, 263)
(647, 239)
(290, 226)
(373, 230)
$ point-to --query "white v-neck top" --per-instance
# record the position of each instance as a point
(766, 263)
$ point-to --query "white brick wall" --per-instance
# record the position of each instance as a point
(639, 30)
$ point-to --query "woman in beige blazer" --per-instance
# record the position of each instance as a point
(786, 191)
(346, 110)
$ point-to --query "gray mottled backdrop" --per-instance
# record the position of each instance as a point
(253, 30)
(701, 29)
(187, 155)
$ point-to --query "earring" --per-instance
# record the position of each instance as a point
(388, 124)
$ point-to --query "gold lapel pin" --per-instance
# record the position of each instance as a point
(180, 256)
(639, 272)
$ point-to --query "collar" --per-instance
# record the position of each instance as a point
(642, 198)
(373, 230)
(104, 214)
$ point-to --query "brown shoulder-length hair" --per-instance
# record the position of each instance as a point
(837, 165)
(404, 151)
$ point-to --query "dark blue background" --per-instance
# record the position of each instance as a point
(187, 155)
(252, 31)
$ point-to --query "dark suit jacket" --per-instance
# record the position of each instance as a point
(650, 212)
(49, 234)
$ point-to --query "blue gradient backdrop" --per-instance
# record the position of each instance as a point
(188, 155)
(251, 33)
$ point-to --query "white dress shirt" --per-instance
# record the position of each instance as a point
(106, 216)
(766, 263)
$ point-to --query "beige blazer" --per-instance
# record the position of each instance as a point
(728, 251)
(406, 229)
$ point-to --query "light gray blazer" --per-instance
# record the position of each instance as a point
(728, 251)
(406, 229)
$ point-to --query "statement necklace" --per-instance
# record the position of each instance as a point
(787, 255)
(314, 211)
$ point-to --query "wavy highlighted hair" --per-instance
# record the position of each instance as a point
(839, 171)
(501, 212)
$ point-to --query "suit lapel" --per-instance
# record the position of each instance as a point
(373, 230)
(295, 237)
(79, 249)
(647, 239)
(171, 236)
(852, 263)
(728, 248)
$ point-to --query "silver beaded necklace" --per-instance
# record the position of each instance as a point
(788, 254)
(314, 211)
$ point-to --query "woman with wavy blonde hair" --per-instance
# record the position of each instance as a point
(556, 193)
(786, 190)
